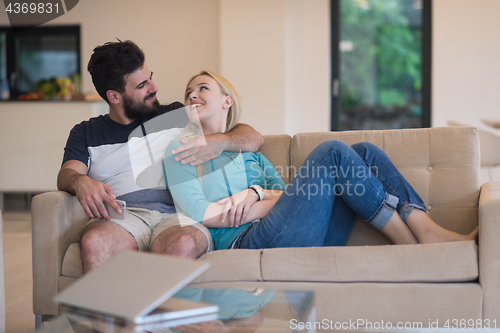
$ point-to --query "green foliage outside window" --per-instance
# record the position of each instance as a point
(385, 66)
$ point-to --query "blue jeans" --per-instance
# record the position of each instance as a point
(333, 185)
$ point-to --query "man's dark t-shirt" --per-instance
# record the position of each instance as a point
(117, 154)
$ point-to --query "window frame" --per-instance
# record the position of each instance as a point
(426, 63)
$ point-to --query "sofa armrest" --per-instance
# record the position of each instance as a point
(57, 222)
(489, 249)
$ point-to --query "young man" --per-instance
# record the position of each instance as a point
(97, 165)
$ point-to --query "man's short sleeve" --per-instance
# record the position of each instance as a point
(76, 146)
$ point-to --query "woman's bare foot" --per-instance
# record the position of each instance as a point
(427, 231)
(443, 235)
(398, 232)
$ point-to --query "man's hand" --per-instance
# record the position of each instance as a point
(237, 207)
(92, 194)
(201, 149)
(242, 138)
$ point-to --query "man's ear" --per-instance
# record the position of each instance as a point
(228, 102)
(114, 97)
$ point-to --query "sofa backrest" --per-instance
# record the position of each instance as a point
(276, 149)
(442, 164)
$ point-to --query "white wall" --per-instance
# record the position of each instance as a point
(277, 53)
(307, 71)
(466, 56)
(466, 68)
(252, 49)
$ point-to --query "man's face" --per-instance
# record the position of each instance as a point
(139, 100)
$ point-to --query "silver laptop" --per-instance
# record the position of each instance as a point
(131, 285)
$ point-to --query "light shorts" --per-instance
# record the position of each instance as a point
(145, 225)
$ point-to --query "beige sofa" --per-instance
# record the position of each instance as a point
(366, 280)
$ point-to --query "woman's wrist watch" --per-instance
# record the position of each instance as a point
(259, 190)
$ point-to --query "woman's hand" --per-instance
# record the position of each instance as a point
(237, 207)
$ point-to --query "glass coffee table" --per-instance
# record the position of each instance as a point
(240, 310)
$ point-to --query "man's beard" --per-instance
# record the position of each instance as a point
(140, 111)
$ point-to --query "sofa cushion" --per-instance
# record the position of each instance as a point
(72, 262)
(225, 265)
(443, 262)
(232, 265)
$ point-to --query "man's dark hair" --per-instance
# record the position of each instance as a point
(111, 63)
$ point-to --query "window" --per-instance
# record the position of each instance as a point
(380, 64)
(36, 54)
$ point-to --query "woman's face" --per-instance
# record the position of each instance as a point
(204, 94)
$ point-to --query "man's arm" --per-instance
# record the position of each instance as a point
(243, 138)
(204, 148)
(91, 193)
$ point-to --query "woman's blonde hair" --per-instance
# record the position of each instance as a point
(227, 89)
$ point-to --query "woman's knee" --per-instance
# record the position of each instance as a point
(363, 148)
(332, 146)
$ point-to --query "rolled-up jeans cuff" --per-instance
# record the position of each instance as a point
(407, 208)
(385, 212)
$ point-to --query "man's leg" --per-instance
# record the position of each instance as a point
(101, 240)
(184, 242)
(180, 236)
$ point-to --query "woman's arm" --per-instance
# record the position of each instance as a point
(189, 196)
(239, 208)
(260, 171)
(184, 186)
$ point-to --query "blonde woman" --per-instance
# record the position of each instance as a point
(244, 202)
